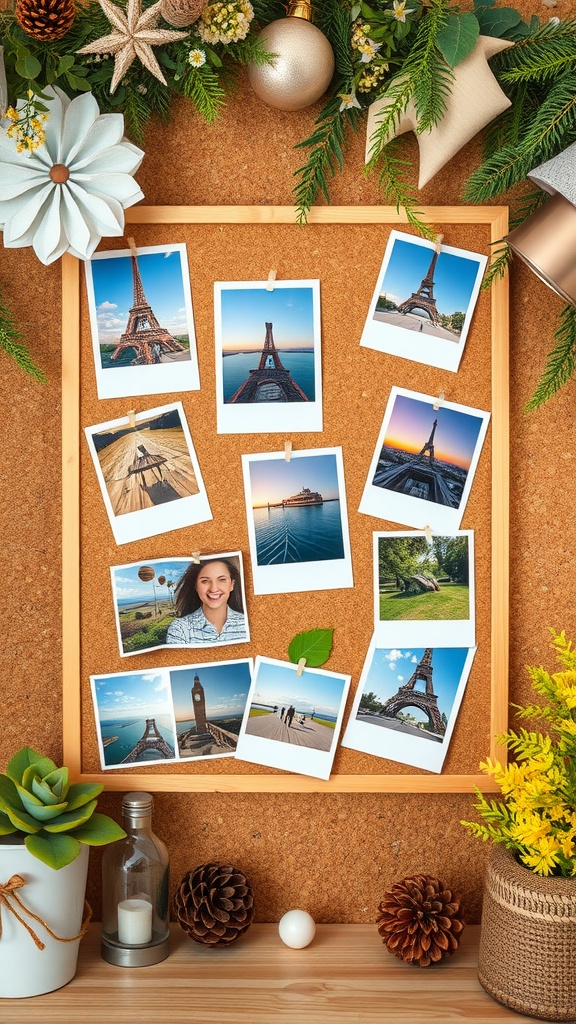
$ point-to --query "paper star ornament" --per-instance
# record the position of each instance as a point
(475, 99)
(135, 33)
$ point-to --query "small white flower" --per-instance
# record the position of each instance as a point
(348, 100)
(400, 11)
(369, 50)
(72, 190)
(197, 58)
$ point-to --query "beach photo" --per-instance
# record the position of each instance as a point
(180, 602)
(148, 473)
(424, 588)
(424, 462)
(424, 301)
(142, 322)
(134, 718)
(297, 521)
(293, 721)
(407, 703)
(209, 702)
(268, 356)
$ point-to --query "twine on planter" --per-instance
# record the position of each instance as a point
(8, 892)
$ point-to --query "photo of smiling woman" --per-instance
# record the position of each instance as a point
(209, 604)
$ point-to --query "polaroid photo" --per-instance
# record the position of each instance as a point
(293, 722)
(209, 703)
(424, 462)
(134, 718)
(142, 321)
(297, 521)
(268, 357)
(407, 703)
(148, 473)
(424, 589)
(180, 602)
(424, 301)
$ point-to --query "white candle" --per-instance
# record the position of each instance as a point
(134, 922)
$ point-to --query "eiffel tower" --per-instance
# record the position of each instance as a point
(424, 297)
(153, 740)
(429, 446)
(143, 332)
(270, 381)
(408, 696)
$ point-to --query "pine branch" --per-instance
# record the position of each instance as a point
(334, 21)
(561, 363)
(202, 87)
(325, 157)
(542, 56)
(398, 95)
(10, 341)
(392, 168)
(498, 266)
(427, 70)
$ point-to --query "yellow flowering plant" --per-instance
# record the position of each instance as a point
(536, 816)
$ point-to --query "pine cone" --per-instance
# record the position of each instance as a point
(418, 920)
(46, 20)
(214, 904)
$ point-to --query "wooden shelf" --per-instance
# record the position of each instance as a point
(345, 976)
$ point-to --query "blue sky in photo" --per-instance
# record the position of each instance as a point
(271, 480)
(279, 684)
(454, 276)
(225, 689)
(161, 274)
(245, 312)
(392, 668)
(133, 695)
(127, 583)
(411, 423)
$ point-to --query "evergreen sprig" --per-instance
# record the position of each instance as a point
(325, 157)
(425, 67)
(542, 56)
(561, 363)
(11, 342)
(393, 168)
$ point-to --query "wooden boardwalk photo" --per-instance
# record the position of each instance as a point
(302, 734)
(147, 467)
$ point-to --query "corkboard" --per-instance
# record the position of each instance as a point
(343, 247)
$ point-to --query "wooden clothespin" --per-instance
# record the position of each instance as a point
(301, 665)
(287, 450)
(439, 401)
(271, 280)
(195, 557)
(132, 247)
(131, 414)
(438, 243)
(427, 531)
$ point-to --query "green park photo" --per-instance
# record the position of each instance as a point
(422, 580)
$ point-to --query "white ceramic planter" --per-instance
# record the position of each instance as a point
(58, 898)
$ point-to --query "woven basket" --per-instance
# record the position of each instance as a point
(527, 957)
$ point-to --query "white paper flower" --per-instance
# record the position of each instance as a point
(72, 190)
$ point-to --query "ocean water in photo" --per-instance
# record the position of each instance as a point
(125, 733)
(236, 369)
(309, 533)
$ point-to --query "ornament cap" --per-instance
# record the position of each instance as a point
(59, 173)
(300, 9)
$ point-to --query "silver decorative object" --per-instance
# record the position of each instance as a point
(558, 174)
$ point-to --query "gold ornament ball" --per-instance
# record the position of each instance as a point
(302, 69)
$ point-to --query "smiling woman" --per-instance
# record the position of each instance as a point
(209, 605)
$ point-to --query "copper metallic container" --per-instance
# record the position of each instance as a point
(546, 241)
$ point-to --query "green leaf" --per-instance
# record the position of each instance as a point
(55, 851)
(71, 819)
(457, 37)
(58, 782)
(36, 808)
(24, 759)
(81, 792)
(66, 62)
(23, 821)
(29, 67)
(99, 831)
(314, 645)
(6, 826)
(497, 21)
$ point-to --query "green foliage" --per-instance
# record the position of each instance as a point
(37, 801)
(326, 155)
(10, 341)
(457, 37)
(561, 363)
(536, 815)
(314, 645)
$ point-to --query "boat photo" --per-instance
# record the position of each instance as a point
(305, 497)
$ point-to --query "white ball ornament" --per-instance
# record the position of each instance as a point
(302, 68)
(297, 929)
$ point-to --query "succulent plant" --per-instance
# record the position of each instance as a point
(37, 801)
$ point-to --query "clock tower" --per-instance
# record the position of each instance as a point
(199, 705)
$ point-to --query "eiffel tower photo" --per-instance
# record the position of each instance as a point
(426, 700)
(143, 333)
(421, 475)
(270, 381)
(423, 297)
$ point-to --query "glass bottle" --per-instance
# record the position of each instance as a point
(135, 885)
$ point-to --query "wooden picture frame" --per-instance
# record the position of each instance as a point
(496, 221)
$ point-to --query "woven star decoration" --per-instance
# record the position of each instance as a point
(475, 99)
(135, 33)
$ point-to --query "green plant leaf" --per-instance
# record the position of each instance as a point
(496, 21)
(24, 759)
(55, 851)
(6, 826)
(28, 67)
(38, 810)
(81, 792)
(58, 782)
(41, 789)
(71, 819)
(99, 831)
(457, 37)
(23, 821)
(314, 645)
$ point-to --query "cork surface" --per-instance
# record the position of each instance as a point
(334, 855)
